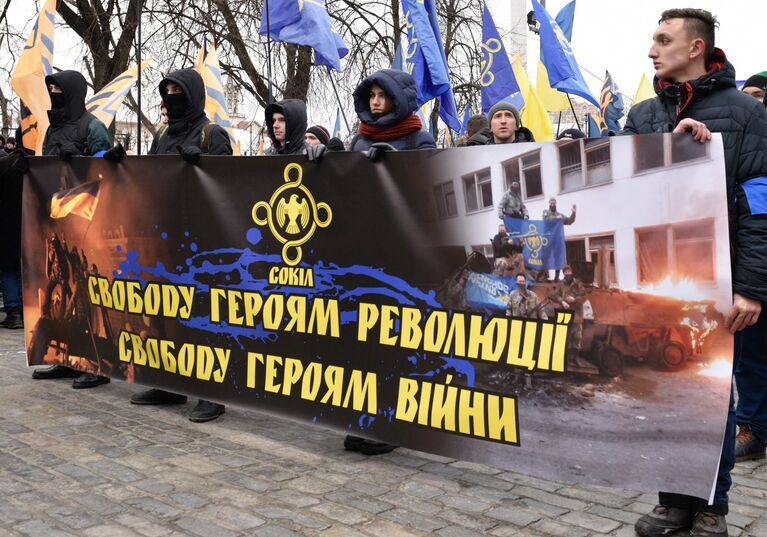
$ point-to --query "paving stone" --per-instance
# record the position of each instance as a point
(590, 522)
(203, 528)
(413, 520)
(517, 516)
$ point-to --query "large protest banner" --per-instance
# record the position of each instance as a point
(383, 299)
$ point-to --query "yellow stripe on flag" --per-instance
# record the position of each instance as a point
(79, 201)
(28, 77)
(533, 113)
(553, 100)
(215, 97)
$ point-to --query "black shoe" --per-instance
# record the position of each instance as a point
(709, 525)
(55, 372)
(157, 397)
(13, 320)
(747, 446)
(664, 521)
(371, 447)
(353, 443)
(86, 380)
(206, 411)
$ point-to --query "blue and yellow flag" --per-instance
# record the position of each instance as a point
(553, 100)
(28, 78)
(337, 128)
(596, 126)
(565, 19)
(425, 59)
(611, 105)
(306, 22)
(543, 241)
(105, 103)
(215, 98)
(557, 55)
(79, 201)
(496, 76)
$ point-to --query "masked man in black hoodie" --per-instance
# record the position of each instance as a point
(73, 132)
(191, 134)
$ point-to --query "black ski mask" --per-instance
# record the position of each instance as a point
(58, 101)
(176, 105)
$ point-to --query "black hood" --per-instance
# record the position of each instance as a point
(294, 111)
(194, 90)
(720, 75)
(398, 85)
(74, 87)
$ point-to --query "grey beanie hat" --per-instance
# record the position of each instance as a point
(503, 105)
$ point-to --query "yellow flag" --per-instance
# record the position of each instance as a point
(215, 98)
(199, 61)
(28, 78)
(644, 91)
(553, 100)
(105, 103)
(533, 113)
(535, 118)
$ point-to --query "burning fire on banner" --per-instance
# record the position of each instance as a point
(683, 289)
(719, 368)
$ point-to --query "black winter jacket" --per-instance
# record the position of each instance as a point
(485, 137)
(714, 100)
(67, 131)
(294, 111)
(401, 88)
(188, 130)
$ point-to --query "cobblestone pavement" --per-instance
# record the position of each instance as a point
(86, 462)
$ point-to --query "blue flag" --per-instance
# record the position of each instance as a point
(565, 19)
(465, 123)
(594, 130)
(425, 59)
(557, 56)
(496, 76)
(611, 104)
(337, 128)
(397, 62)
(488, 292)
(544, 241)
(306, 23)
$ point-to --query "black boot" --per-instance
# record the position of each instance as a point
(13, 319)
(664, 521)
(55, 372)
(206, 411)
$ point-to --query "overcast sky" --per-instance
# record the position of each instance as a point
(616, 35)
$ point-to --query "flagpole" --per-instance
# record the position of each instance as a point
(268, 51)
(575, 116)
(138, 99)
(559, 122)
(340, 106)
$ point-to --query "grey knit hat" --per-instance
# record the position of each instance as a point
(503, 105)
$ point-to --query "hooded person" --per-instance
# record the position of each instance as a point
(189, 131)
(386, 103)
(756, 86)
(73, 131)
(505, 127)
(286, 126)
(317, 134)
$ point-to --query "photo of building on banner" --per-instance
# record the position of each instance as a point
(552, 309)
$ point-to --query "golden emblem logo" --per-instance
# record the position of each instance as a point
(489, 50)
(535, 242)
(292, 215)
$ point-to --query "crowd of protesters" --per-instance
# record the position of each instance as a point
(696, 94)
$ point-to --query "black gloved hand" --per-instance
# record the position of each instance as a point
(116, 154)
(378, 149)
(20, 163)
(67, 151)
(189, 153)
(316, 152)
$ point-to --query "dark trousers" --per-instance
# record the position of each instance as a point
(751, 377)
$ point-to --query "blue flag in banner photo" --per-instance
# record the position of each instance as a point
(611, 104)
(557, 56)
(565, 19)
(425, 59)
(543, 240)
(313, 29)
(496, 75)
(488, 292)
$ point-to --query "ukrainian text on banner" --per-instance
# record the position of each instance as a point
(345, 293)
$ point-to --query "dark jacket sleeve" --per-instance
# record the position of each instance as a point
(219, 142)
(749, 277)
(630, 126)
(424, 140)
(98, 138)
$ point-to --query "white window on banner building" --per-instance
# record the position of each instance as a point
(444, 196)
(478, 189)
(525, 169)
(584, 163)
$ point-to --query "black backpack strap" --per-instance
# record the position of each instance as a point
(83, 126)
(205, 137)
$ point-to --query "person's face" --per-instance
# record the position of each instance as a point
(173, 89)
(568, 273)
(279, 126)
(756, 93)
(10, 146)
(673, 50)
(502, 230)
(515, 186)
(521, 281)
(54, 88)
(380, 103)
(503, 125)
(311, 139)
(552, 205)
